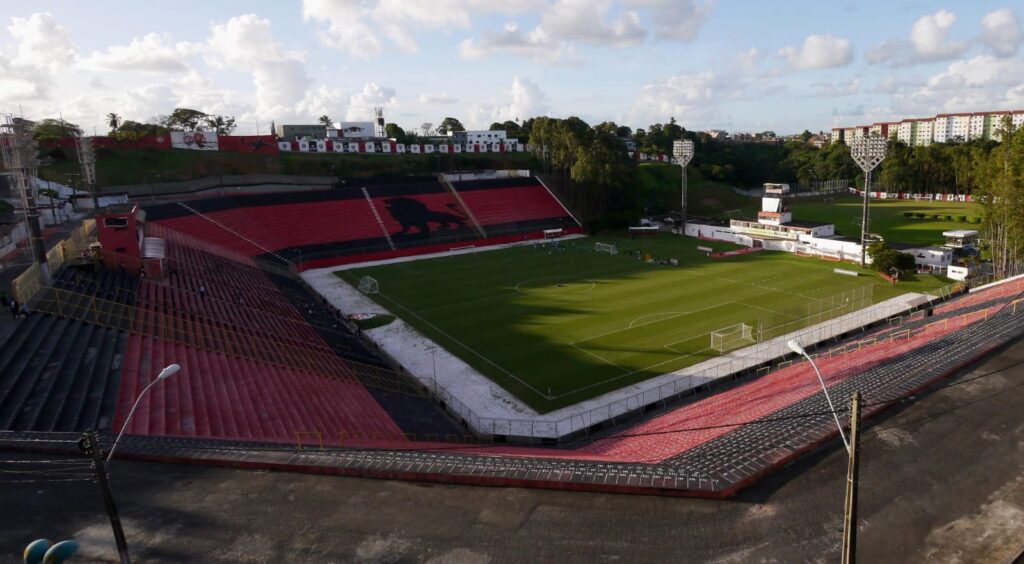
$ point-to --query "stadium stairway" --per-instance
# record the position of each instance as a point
(412, 411)
(59, 375)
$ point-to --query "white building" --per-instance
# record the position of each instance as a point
(479, 137)
(351, 130)
(943, 128)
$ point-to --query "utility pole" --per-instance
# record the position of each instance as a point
(90, 444)
(850, 516)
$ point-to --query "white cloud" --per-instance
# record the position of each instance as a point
(537, 45)
(747, 60)
(245, 43)
(982, 82)
(833, 89)
(675, 20)
(928, 37)
(522, 101)
(1001, 32)
(819, 52)
(602, 23)
(588, 21)
(438, 99)
(929, 42)
(353, 26)
(693, 99)
(150, 53)
(43, 44)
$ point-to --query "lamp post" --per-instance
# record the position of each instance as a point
(852, 470)
(682, 150)
(795, 346)
(868, 153)
(166, 373)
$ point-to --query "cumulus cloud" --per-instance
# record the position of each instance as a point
(536, 45)
(984, 81)
(603, 23)
(438, 99)
(691, 98)
(819, 52)
(929, 42)
(675, 20)
(1001, 32)
(152, 52)
(43, 43)
(522, 101)
(354, 26)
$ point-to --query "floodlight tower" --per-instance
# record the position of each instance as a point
(868, 153)
(682, 150)
(18, 148)
(87, 160)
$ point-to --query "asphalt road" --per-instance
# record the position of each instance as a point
(942, 480)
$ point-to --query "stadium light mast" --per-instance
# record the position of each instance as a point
(849, 549)
(682, 150)
(868, 153)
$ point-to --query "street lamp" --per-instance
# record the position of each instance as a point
(166, 373)
(682, 150)
(868, 153)
(795, 346)
(849, 548)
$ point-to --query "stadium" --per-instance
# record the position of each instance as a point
(464, 328)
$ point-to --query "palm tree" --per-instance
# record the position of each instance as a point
(325, 120)
(113, 120)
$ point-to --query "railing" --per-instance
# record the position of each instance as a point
(687, 385)
(26, 286)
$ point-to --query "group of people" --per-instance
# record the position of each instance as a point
(18, 311)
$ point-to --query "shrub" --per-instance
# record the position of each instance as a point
(919, 215)
(908, 214)
(961, 218)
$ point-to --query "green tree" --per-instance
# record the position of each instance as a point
(324, 120)
(113, 120)
(55, 129)
(221, 124)
(130, 130)
(184, 119)
(393, 131)
(448, 125)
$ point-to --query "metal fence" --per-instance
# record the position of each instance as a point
(27, 285)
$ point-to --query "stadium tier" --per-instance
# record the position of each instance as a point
(410, 216)
(59, 375)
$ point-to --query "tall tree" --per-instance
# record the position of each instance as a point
(113, 120)
(184, 119)
(448, 125)
(55, 129)
(325, 120)
(220, 124)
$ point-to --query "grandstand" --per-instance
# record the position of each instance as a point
(269, 367)
(370, 220)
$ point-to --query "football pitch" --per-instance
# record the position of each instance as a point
(558, 323)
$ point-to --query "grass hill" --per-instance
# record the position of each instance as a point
(659, 183)
(123, 167)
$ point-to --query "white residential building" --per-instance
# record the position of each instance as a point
(943, 128)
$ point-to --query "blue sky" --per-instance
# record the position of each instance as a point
(740, 66)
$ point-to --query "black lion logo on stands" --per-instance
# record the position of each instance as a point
(414, 213)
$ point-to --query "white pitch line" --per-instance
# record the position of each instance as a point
(649, 323)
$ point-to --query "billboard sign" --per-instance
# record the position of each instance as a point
(194, 140)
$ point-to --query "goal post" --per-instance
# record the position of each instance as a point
(732, 337)
(609, 248)
(368, 285)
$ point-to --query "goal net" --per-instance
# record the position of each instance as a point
(732, 337)
(368, 285)
(609, 248)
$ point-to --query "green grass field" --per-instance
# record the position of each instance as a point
(887, 217)
(558, 327)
